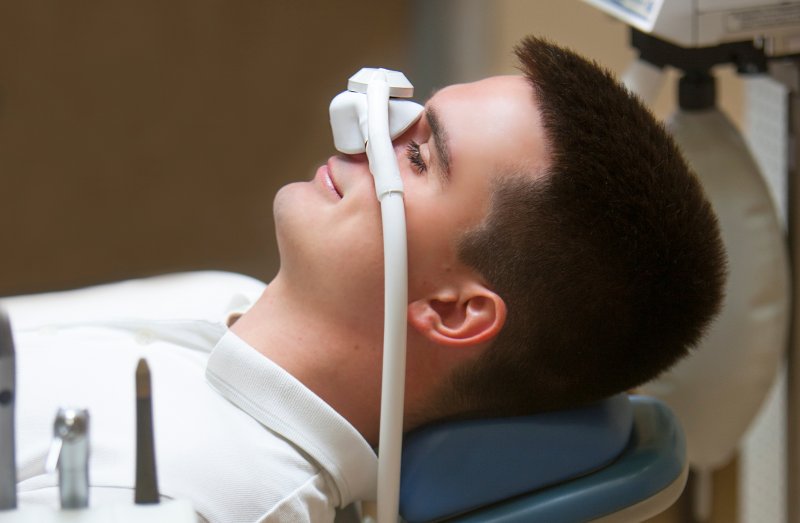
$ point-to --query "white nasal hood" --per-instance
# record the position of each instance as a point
(348, 110)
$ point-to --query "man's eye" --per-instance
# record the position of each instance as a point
(414, 156)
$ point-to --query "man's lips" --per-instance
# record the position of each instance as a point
(325, 177)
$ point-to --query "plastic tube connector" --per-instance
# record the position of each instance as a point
(380, 152)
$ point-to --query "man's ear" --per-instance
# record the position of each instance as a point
(459, 317)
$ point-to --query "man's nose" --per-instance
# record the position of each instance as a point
(355, 163)
(358, 158)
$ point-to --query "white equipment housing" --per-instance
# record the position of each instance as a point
(701, 23)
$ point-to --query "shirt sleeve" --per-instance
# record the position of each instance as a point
(309, 503)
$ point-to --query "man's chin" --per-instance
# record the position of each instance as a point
(289, 198)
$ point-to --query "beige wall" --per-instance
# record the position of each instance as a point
(138, 137)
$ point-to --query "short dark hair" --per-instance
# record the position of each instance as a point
(610, 262)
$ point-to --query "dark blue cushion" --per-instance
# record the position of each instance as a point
(455, 467)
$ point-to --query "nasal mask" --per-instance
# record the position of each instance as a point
(359, 127)
(366, 118)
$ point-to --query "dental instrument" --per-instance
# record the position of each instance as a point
(146, 489)
(369, 123)
(8, 466)
(70, 453)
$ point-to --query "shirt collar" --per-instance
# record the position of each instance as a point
(283, 404)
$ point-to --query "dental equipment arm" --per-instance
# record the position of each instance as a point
(383, 124)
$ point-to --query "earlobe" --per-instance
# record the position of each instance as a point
(474, 316)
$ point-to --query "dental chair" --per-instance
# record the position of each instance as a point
(620, 460)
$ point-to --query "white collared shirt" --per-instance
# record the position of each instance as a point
(235, 434)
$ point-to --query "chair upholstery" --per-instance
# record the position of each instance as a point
(638, 480)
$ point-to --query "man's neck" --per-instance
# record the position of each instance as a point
(334, 361)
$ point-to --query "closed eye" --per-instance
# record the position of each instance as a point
(415, 157)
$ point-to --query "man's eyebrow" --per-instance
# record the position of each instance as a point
(439, 142)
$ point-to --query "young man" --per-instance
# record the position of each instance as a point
(559, 251)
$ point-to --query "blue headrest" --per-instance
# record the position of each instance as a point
(454, 467)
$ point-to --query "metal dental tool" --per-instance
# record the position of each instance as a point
(369, 123)
(70, 452)
(146, 479)
(8, 466)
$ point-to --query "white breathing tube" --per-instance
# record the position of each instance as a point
(384, 119)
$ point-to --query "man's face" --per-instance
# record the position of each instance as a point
(329, 229)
